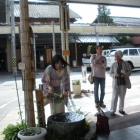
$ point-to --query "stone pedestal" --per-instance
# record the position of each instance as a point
(91, 134)
(65, 124)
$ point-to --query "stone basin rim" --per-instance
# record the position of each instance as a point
(83, 118)
(67, 122)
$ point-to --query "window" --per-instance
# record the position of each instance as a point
(133, 52)
(139, 51)
(112, 50)
(125, 52)
(111, 54)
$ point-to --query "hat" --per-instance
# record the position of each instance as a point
(119, 53)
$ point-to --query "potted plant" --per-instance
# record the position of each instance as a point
(20, 131)
(33, 133)
(76, 87)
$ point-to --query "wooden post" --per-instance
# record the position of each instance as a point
(76, 52)
(40, 108)
(28, 74)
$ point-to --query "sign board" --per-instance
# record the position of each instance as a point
(84, 54)
(40, 108)
(84, 74)
(31, 39)
(48, 55)
(66, 22)
(41, 58)
(21, 66)
(30, 75)
(66, 53)
(53, 53)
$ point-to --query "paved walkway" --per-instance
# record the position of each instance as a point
(129, 133)
(122, 127)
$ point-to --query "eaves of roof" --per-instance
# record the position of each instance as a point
(43, 11)
(79, 39)
(94, 39)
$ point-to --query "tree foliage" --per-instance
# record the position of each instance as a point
(124, 40)
(11, 131)
(92, 49)
(104, 15)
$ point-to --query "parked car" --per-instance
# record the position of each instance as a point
(132, 55)
(105, 52)
(86, 61)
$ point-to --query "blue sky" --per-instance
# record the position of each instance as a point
(89, 12)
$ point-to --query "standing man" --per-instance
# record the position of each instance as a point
(99, 68)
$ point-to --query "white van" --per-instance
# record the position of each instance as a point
(105, 52)
(86, 61)
(132, 55)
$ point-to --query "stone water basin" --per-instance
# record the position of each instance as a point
(69, 123)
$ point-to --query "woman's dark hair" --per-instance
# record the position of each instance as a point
(58, 58)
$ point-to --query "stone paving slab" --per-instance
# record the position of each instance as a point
(11, 118)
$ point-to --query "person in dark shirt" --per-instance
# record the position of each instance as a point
(120, 72)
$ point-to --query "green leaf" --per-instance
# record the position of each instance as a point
(11, 131)
(75, 82)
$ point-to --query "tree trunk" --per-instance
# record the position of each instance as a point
(26, 55)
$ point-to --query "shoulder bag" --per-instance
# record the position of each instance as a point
(102, 124)
(90, 77)
(127, 79)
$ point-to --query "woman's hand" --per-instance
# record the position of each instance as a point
(50, 89)
(117, 75)
(65, 93)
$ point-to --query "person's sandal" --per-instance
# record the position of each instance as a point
(102, 105)
(97, 105)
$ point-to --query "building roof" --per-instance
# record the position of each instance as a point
(123, 20)
(126, 20)
(43, 10)
(94, 39)
(79, 39)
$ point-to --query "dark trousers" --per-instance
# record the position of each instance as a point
(97, 82)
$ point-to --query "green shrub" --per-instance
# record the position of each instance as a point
(11, 131)
(81, 112)
(76, 82)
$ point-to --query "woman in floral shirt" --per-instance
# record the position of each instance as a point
(56, 80)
